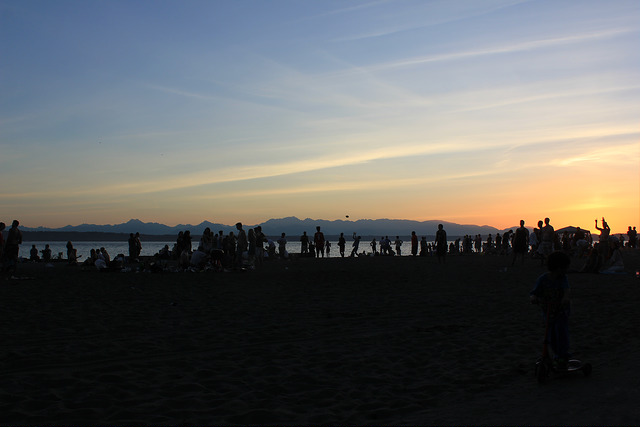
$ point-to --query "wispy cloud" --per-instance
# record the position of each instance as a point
(498, 50)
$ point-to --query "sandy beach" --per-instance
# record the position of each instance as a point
(382, 340)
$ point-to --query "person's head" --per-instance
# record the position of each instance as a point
(15, 223)
(540, 224)
(558, 262)
(522, 223)
(239, 226)
(440, 226)
(3, 226)
(546, 221)
(413, 233)
(283, 235)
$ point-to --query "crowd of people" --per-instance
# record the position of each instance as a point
(248, 248)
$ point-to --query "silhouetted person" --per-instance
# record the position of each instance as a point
(2, 227)
(304, 243)
(398, 244)
(342, 242)
(138, 245)
(547, 237)
(72, 257)
(260, 241)
(414, 243)
(520, 242)
(605, 231)
(441, 243)
(46, 253)
(355, 245)
(318, 240)
(282, 245)
(242, 243)
(12, 247)
(132, 247)
(33, 254)
(633, 237)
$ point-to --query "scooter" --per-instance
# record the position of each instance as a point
(545, 366)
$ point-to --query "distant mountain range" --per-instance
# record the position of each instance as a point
(292, 226)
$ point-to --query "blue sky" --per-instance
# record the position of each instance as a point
(480, 112)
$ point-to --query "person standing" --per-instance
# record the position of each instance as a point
(12, 247)
(398, 244)
(355, 244)
(304, 243)
(242, 244)
(633, 236)
(260, 240)
(282, 245)
(520, 242)
(138, 244)
(2, 227)
(414, 243)
(441, 243)
(547, 237)
(342, 242)
(318, 240)
(603, 240)
(132, 247)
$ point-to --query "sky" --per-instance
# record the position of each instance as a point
(476, 112)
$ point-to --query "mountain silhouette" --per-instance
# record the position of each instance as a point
(292, 226)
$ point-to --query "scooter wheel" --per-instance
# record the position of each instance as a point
(586, 369)
(541, 373)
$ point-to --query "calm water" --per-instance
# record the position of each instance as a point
(151, 248)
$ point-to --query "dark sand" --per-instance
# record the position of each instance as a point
(339, 341)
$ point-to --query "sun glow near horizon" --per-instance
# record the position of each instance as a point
(471, 112)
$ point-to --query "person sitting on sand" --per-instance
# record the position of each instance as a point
(91, 260)
(46, 253)
(105, 255)
(199, 258)
(164, 253)
(33, 254)
(615, 263)
(552, 293)
(72, 254)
